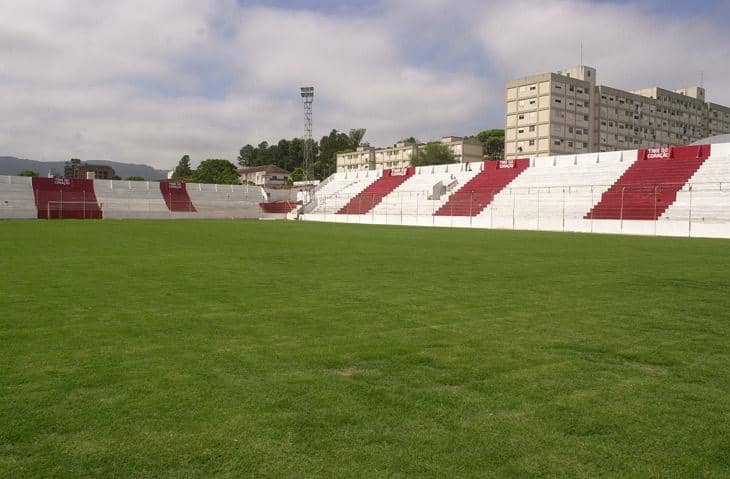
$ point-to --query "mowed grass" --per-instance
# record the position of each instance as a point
(284, 349)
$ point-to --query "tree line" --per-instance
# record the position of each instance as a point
(289, 155)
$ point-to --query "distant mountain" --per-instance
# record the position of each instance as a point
(9, 165)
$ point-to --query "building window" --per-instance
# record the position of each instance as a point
(570, 144)
(520, 117)
(558, 100)
(532, 142)
(532, 128)
(521, 130)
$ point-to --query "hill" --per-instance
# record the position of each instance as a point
(10, 165)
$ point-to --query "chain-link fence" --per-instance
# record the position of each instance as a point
(694, 209)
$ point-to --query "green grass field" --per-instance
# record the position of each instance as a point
(284, 349)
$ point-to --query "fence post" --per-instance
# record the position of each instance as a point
(433, 212)
(491, 213)
(593, 207)
(689, 219)
(471, 199)
(514, 206)
(622, 208)
(372, 210)
(563, 209)
(452, 215)
(656, 219)
(60, 212)
(418, 222)
(401, 209)
(83, 205)
(538, 209)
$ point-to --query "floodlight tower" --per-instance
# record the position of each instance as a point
(307, 97)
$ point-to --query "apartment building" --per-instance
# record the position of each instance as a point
(567, 112)
(399, 155)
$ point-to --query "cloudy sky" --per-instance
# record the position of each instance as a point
(148, 81)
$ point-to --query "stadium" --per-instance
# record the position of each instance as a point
(471, 259)
(667, 191)
(361, 341)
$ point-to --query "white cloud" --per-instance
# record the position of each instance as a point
(149, 81)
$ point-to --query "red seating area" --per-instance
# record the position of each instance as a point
(650, 185)
(279, 206)
(371, 196)
(62, 198)
(176, 197)
(478, 192)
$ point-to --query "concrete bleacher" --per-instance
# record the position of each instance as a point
(650, 185)
(335, 192)
(126, 199)
(131, 199)
(706, 195)
(556, 189)
(16, 198)
(141, 199)
(689, 194)
(373, 194)
(226, 201)
(427, 190)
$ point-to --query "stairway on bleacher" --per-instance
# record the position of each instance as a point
(649, 186)
(371, 196)
(480, 190)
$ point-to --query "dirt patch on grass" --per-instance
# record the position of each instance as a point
(347, 372)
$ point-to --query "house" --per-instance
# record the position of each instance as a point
(268, 176)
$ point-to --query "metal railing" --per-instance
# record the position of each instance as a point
(666, 208)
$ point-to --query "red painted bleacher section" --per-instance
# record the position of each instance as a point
(176, 197)
(279, 206)
(371, 196)
(478, 192)
(65, 198)
(650, 185)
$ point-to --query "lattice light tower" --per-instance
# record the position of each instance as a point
(307, 98)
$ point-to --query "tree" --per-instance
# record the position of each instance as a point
(263, 155)
(216, 171)
(135, 178)
(410, 139)
(183, 172)
(356, 135)
(246, 155)
(329, 146)
(28, 173)
(296, 175)
(434, 153)
(116, 177)
(492, 143)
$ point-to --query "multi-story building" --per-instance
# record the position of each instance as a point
(75, 168)
(567, 112)
(400, 154)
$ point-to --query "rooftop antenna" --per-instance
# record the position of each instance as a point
(581, 54)
(702, 78)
